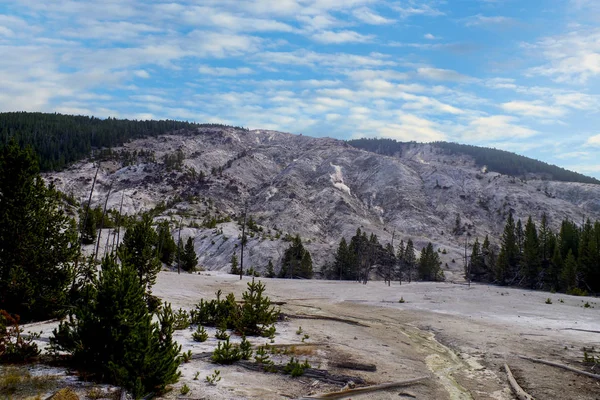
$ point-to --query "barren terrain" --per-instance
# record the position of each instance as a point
(459, 337)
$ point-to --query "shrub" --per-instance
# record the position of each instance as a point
(257, 316)
(548, 301)
(14, 346)
(214, 377)
(245, 349)
(200, 335)
(182, 320)
(263, 359)
(112, 337)
(226, 353)
(295, 368)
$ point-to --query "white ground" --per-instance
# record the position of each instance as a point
(458, 336)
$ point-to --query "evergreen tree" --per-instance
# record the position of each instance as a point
(189, 260)
(410, 260)
(139, 249)
(429, 265)
(257, 317)
(235, 269)
(270, 270)
(547, 242)
(568, 278)
(343, 266)
(531, 254)
(509, 253)
(38, 241)
(555, 270)
(296, 262)
(520, 236)
(167, 248)
(476, 264)
(112, 336)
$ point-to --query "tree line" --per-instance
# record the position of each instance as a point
(59, 140)
(535, 257)
(365, 255)
(501, 161)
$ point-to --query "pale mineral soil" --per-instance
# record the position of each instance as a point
(459, 337)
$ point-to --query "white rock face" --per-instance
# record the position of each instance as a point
(322, 189)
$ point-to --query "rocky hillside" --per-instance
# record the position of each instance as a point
(320, 188)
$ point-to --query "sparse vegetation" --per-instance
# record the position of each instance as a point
(213, 378)
(200, 335)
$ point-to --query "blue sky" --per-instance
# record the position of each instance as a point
(518, 75)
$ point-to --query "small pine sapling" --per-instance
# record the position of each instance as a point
(295, 368)
(200, 335)
(245, 349)
(213, 378)
(182, 320)
(185, 389)
(263, 359)
(226, 353)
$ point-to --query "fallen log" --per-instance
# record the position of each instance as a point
(318, 374)
(580, 330)
(356, 366)
(326, 318)
(553, 364)
(517, 390)
(366, 389)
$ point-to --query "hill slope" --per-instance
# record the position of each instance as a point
(501, 161)
(322, 189)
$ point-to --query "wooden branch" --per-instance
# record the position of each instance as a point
(356, 366)
(517, 390)
(367, 389)
(318, 374)
(335, 319)
(577, 371)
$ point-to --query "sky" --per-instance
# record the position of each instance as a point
(518, 75)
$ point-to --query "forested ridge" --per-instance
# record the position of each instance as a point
(62, 139)
(496, 160)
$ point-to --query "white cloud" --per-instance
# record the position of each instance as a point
(571, 58)
(412, 9)
(223, 71)
(482, 20)
(438, 74)
(411, 127)
(497, 127)
(140, 73)
(532, 109)
(369, 17)
(429, 36)
(593, 141)
(331, 37)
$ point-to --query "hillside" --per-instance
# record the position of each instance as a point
(501, 161)
(322, 189)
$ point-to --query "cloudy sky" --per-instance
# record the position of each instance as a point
(518, 75)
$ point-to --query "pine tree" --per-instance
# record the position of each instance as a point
(189, 260)
(112, 336)
(568, 278)
(429, 264)
(296, 262)
(256, 315)
(38, 241)
(509, 252)
(343, 264)
(270, 270)
(139, 249)
(555, 270)
(235, 270)
(410, 259)
(531, 254)
(167, 248)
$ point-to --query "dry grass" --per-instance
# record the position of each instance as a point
(19, 383)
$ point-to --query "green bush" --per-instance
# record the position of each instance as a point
(226, 353)
(182, 320)
(111, 336)
(295, 368)
(200, 335)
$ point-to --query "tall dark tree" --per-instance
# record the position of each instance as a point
(509, 253)
(189, 260)
(167, 248)
(410, 260)
(344, 264)
(38, 241)
(296, 262)
(429, 265)
(568, 278)
(139, 250)
(531, 254)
